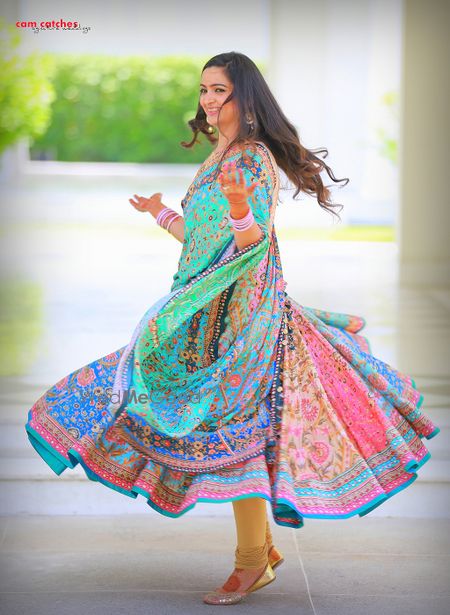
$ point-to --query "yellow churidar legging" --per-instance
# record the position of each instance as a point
(254, 537)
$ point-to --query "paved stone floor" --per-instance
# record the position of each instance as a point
(156, 565)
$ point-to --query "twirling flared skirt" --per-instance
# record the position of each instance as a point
(349, 430)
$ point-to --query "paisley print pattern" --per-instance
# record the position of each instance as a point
(229, 388)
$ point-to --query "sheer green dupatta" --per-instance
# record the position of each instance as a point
(171, 400)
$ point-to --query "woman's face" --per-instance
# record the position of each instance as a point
(215, 87)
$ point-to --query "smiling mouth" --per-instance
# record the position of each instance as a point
(212, 111)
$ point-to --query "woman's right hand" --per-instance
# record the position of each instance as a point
(152, 204)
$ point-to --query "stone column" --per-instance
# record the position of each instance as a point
(424, 220)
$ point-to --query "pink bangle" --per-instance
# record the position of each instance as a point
(168, 222)
(172, 221)
(163, 214)
(165, 217)
(242, 224)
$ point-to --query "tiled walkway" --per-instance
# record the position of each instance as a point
(159, 566)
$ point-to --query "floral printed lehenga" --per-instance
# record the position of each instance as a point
(229, 388)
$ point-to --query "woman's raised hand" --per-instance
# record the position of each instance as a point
(232, 182)
(152, 204)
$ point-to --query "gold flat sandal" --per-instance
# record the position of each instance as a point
(266, 577)
(275, 557)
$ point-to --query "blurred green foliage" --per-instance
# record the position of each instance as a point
(26, 92)
(388, 143)
(21, 325)
(123, 109)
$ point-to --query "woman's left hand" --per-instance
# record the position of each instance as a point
(232, 182)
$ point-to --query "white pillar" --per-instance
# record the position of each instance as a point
(424, 236)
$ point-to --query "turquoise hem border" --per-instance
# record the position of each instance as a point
(419, 405)
(415, 465)
(389, 495)
(421, 398)
(58, 463)
(206, 500)
(433, 433)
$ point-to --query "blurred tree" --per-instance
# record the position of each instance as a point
(388, 142)
(123, 109)
(26, 91)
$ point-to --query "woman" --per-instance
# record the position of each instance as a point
(229, 390)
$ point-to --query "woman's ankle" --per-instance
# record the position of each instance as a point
(251, 557)
(269, 538)
(250, 569)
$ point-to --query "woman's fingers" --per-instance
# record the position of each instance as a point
(232, 180)
(140, 203)
(231, 174)
(229, 168)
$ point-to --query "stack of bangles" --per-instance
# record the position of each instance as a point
(243, 224)
(166, 217)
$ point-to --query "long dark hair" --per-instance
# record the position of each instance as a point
(270, 125)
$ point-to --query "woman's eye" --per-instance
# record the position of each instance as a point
(217, 90)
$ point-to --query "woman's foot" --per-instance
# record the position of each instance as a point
(238, 584)
(240, 580)
(275, 557)
(244, 577)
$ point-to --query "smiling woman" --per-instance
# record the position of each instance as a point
(229, 389)
(213, 97)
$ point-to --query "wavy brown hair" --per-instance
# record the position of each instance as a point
(270, 125)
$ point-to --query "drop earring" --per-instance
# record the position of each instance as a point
(249, 121)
